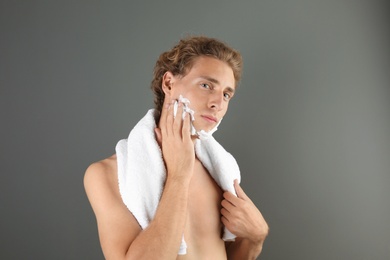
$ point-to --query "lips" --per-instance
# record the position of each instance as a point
(210, 118)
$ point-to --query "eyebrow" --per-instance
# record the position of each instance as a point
(215, 81)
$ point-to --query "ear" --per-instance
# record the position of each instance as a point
(167, 82)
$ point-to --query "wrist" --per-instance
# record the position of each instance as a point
(259, 234)
(181, 180)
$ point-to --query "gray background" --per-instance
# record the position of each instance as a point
(309, 125)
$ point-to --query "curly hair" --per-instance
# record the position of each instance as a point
(180, 59)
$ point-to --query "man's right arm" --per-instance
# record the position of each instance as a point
(120, 234)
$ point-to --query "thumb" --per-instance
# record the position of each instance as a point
(240, 192)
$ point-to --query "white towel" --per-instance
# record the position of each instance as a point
(141, 170)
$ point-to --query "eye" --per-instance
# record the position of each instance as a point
(227, 96)
(205, 85)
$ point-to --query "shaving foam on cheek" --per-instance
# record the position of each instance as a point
(188, 110)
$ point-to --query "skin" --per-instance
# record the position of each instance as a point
(183, 209)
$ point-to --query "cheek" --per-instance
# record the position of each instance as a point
(180, 91)
(226, 107)
(196, 102)
(224, 111)
(190, 95)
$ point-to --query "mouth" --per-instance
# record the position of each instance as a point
(210, 119)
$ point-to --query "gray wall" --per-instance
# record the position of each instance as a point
(309, 126)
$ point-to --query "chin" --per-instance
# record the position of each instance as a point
(206, 128)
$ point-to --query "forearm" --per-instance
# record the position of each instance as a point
(163, 236)
(243, 249)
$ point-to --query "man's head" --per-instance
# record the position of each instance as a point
(180, 59)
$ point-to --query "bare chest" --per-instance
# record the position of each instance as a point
(205, 198)
(203, 227)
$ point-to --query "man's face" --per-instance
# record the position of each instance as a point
(209, 86)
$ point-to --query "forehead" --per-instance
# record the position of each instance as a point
(212, 68)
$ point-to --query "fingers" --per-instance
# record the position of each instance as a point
(178, 121)
(228, 216)
(174, 125)
(241, 217)
(169, 120)
(240, 192)
(227, 205)
(186, 130)
(231, 202)
(230, 197)
(225, 215)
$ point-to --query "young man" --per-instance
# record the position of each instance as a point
(192, 208)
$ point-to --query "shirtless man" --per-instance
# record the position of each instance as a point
(206, 72)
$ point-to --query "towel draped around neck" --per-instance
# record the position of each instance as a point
(142, 173)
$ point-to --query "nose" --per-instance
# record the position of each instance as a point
(216, 101)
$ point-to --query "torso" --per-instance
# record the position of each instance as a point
(203, 230)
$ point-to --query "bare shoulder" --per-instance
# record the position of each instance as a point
(101, 174)
(116, 225)
(100, 180)
(101, 170)
(106, 165)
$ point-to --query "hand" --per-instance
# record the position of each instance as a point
(241, 216)
(174, 136)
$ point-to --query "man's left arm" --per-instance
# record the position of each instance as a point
(241, 216)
